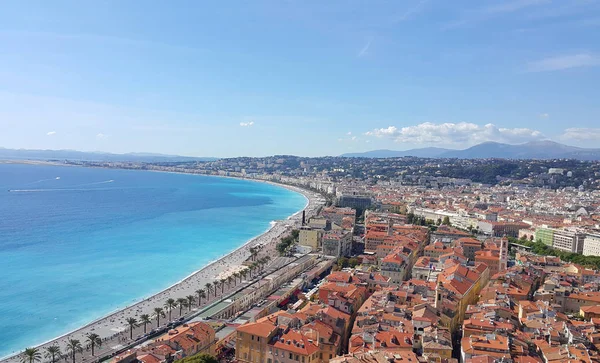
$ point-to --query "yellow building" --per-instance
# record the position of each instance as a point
(252, 340)
(458, 287)
(310, 237)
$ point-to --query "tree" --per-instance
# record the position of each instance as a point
(132, 324)
(439, 221)
(94, 340)
(190, 301)
(215, 285)
(52, 352)
(180, 302)
(145, 319)
(222, 282)
(201, 295)
(253, 253)
(245, 272)
(353, 262)
(170, 304)
(342, 262)
(235, 277)
(31, 355)
(208, 289)
(74, 347)
(159, 312)
(229, 281)
(446, 221)
(200, 358)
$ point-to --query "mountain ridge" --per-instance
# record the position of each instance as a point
(543, 149)
(66, 154)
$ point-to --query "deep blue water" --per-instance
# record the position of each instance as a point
(78, 243)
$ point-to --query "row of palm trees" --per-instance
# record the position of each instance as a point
(74, 346)
(53, 352)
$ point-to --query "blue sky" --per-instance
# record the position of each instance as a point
(231, 78)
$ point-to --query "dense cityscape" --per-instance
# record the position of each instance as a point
(400, 260)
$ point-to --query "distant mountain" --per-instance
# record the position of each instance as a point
(531, 150)
(426, 152)
(24, 154)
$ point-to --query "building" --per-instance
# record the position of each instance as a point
(337, 244)
(447, 235)
(544, 234)
(493, 345)
(338, 215)
(569, 240)
(470, 246)
(501, 229)
(394, 267)
(355, 201)
(310, 237)
(191, 338)
(591, 245)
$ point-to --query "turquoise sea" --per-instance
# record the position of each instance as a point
(78, 243)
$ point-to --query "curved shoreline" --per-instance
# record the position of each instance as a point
(107, 325)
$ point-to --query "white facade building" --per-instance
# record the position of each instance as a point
(591, 245)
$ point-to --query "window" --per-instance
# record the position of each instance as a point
(269, 360)
(291, 356)
(297, 359)
(253, 337)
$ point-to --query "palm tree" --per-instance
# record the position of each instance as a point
(74, 347)
(201, 295)
(94, 339)
(184, 304)
(132, 324)
(181, 301)
(170, 304)
(235, 277)
(190, 301)
(229, 280)
(244, 273)
(252, 268)
(208, 288)
(31, 355)
(215, 284)
(159, 312)
(253, 253)
(222, 282)
(145, 319)
(52, 352)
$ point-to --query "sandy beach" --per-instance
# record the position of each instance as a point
(113, 328)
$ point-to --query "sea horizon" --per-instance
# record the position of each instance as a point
(186, 217)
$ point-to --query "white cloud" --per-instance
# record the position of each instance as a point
(100, 136)
(581, 134)
(349, 133)
(411, 11)
(353, 138)
(365, 49)
(456, 133)
(247, 124)
(564, 62)
(51, 133)
(544, 115)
